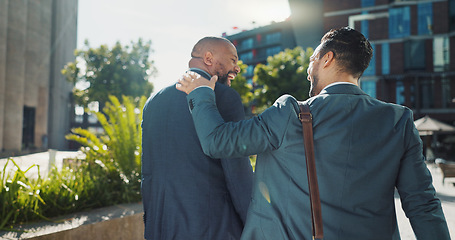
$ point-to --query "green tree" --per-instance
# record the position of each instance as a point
(242, 87)
(120, 70)
(285, 73)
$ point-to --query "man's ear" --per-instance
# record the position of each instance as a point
(328, 58)
(208, 59)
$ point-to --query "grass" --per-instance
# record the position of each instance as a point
(90, 185)
(19, 195)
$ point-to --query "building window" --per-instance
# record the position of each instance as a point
(94, 106)
(371, 70)
(272, 50)
(400, 96)
(260, 53)
(369, 87)
(385, 59)
(273, 37)
(91, 118)
(441, 54)
(425, 18)
(248, 56)
(28, 127)
(246, 44)
(78, 114)
(414, 55)
(426, 93)
(367, 3)
(399, 22)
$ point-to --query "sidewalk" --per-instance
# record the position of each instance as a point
(39, 159)
(446, 193)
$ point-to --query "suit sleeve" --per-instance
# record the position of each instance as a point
(416, 190)
(259, 134)
(237, 171)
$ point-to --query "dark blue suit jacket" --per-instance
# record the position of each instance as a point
(364, 150)
(186, 194)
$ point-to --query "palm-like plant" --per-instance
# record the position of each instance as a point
(119, 148)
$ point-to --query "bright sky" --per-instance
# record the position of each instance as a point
(173, 26)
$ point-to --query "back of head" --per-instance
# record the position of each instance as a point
(351, 49)
(208, 44)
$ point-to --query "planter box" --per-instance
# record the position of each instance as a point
(111, 223)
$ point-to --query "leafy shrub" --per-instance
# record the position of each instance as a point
(109, 175)
(117, 153)
(119, 150)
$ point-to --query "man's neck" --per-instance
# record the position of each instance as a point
(338, 83)
(342, 78)
(202, 72)
(198, 64)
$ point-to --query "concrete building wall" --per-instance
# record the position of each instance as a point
(32, 48)
(15, 75)
(378, 28)
(42, 73)
(64, 41)
(37, 38)
(440, 16)
(452, 54)
(3, 31)
(338, 5)
(396, 53)
(336, 22)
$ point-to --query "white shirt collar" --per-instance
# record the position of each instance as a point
(337, 83)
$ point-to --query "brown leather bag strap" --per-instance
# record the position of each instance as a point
(307, 124)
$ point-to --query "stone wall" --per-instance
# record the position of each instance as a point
(131, 228)
(14, 75)
(117, 222)
(3, 31)
(64, 41)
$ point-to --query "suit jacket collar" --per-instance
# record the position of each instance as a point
(201, 72)
(343, 89)
(207, 76)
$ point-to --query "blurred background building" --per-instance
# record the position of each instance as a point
(412, 63)
(37, 38)
(254, 46)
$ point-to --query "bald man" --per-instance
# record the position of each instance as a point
(186, 194)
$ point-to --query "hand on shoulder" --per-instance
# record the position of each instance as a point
(192, 80)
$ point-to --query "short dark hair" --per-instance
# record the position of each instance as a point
(350, 48)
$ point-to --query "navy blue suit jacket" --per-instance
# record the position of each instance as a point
(186, 194)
